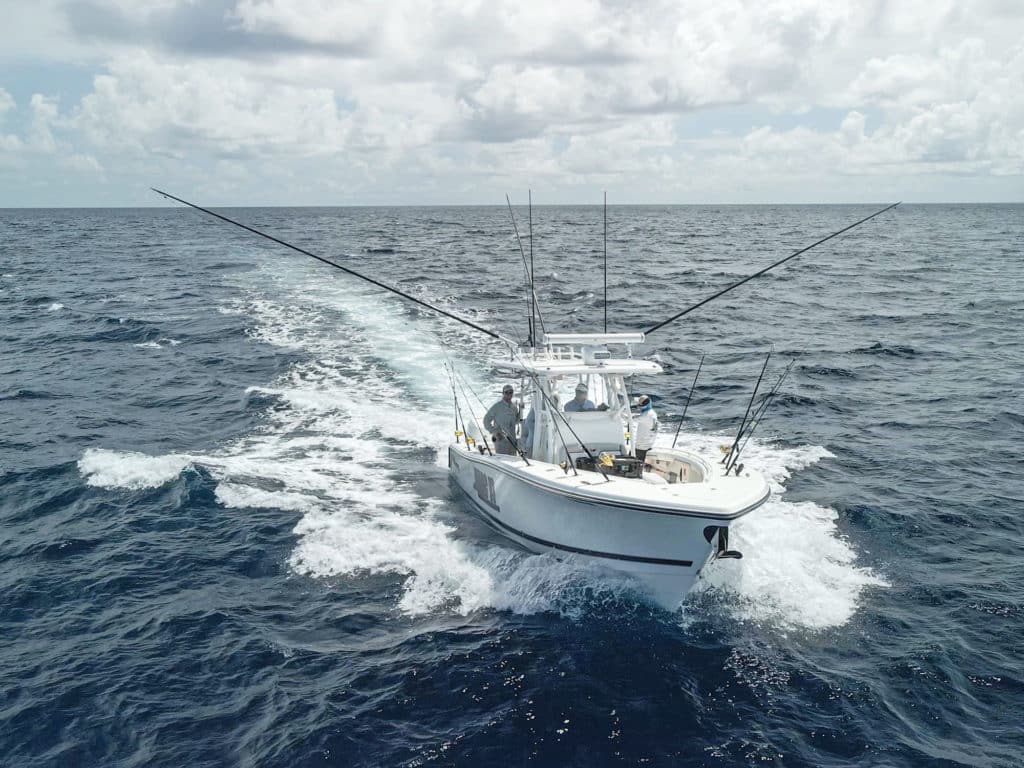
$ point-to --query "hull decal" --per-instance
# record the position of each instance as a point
(484, 487)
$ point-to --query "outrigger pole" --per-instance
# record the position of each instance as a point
(531, 301)
(533, 287)
(606, 262)
(709, 299)
(334, 264)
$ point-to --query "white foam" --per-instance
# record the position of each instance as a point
(55, 307)
(797, 570)
(124, 469)
(334, 451)
(158, 344)
(439, 572)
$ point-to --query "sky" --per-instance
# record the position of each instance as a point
(432, 102)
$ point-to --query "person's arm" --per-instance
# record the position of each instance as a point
(489, 425)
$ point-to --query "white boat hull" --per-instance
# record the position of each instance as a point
(662, 546)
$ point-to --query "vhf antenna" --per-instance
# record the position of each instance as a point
(606, 262)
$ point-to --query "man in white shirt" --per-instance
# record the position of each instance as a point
(646, 427)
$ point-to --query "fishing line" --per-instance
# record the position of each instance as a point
(763, 408)
(687, 405)
(743, 423)
(532, 302)
(334, 264)
(476, 422)
(766, 269)
(450, 370)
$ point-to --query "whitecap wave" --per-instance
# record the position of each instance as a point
(335, 450)
(158, 344)
(126, 469)
(797, 571)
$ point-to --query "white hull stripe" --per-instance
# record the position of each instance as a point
(508, 529)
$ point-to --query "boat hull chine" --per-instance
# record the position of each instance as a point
(663, 551)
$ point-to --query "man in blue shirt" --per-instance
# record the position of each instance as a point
(580, 402)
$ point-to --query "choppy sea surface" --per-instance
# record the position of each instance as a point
(227, 534)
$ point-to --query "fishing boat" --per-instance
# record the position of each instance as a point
(578, 489)
(574, 485)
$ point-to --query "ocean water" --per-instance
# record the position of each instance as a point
(227, 534)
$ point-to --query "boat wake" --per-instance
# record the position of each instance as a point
(354, 442)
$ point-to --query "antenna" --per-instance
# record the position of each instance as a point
(531, 301)
(526, 269)
(606, 262)
(533, 288)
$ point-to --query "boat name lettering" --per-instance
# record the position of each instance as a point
(484, 487)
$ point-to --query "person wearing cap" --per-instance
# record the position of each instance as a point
(500, 420)
(646, 427)
(580, 402)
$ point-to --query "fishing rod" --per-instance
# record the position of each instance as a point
(758, 417)
(476, 422)
(606, 262)
(450, 370)
(554, 409)
(455, 400)
(463, 385)
(526, 267)
(519, 451)
(533, 286)
(725, 459)
(709, 299)
(687, 405)
(532, 302)
(764, 405)
(334, 264)
(759, 412)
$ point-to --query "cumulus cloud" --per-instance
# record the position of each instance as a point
(82, 164)
(146, 105)
(6, 102)
(9, 143)
(455, 94)
(44, 114)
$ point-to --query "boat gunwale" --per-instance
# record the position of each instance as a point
(503, 466)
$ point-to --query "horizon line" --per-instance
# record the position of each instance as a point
(494, 205)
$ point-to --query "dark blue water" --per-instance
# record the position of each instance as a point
(228, 537)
